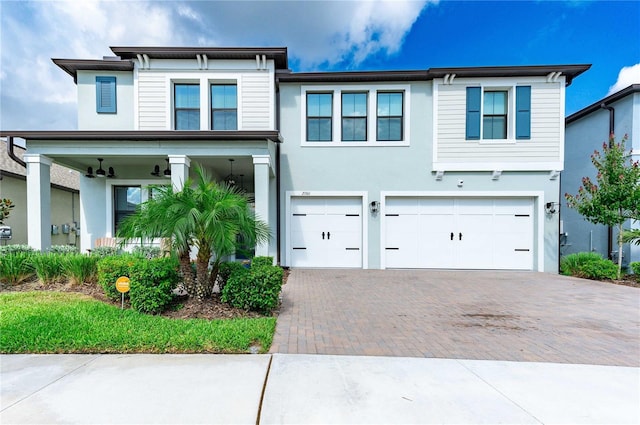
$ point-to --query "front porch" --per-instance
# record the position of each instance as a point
(117, 169)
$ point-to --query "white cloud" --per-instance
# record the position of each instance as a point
(319, 35)
(628, 75)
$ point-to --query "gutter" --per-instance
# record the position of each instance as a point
(278, 196)
(12, 154)
(612, 123)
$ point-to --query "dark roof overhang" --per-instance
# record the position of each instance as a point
(137, 135)
(72, 66)
(277, 54)
(634, 88)
(569, 71)
(351, 76)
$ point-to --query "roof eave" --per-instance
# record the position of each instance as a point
(633, 88)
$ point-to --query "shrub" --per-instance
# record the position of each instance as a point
(225, 271)
(63, 249)
(152, 281)
(48, 267)
(147, 251)
(152, 284)
(261, 261)
(110, 269)
(589, 265)
(104, 251)
(80, 268)
(635, 267)
(16, 267)
(12, 249)
(257, 289)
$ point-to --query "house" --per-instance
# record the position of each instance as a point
(586, 131)
(64, 204)
(441, 168)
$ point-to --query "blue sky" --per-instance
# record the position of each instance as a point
(329, 35)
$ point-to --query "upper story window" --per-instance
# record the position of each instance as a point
(390, 116)
(224, 107)
(492, 113)
(319, 116)
(354, 117)
(106, 95)
(187, 106)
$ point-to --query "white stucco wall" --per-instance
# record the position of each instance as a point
(88, 118)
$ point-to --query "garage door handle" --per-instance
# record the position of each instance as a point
(451, 235)
(328, 235)
(322, 235)
(460, 237)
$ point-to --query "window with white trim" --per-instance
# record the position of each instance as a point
(498, 113)
(224, 107)
(186, 99)
(355, 115)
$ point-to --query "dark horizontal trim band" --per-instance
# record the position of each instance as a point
(522, 249)
(352, 249)
(393, 249)
(523, 215)
(299, 215)
(392, 215)
(298, 248)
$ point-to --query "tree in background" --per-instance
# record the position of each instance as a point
(614, 198)
(5, 208)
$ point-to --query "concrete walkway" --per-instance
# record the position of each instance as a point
(482, 315)
(297, 389)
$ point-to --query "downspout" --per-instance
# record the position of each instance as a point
(612, 122)
(278, 209)
(12, 154)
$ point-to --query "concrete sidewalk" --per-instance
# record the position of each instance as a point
(285, 388)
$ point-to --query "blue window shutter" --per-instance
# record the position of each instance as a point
(523, 112)
(106, 95)
(474, 95)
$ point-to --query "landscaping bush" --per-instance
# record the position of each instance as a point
(63, 249)
(104, 251)
(16, 267)
(256, 289)
(152, 281)
(110, 269)
(589, 265)
(635, 267)
(261, 261)
(80, 268)
(48, 267)
(147, 251)
(12, 249)
(152, 284)
(225, 271)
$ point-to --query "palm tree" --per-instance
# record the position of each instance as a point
(208, 216)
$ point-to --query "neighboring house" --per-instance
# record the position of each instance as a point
(438, 168)
(586, 131)
(65, 200)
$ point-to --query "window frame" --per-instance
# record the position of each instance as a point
(319, 117)
(213, 110)
(484, 115)
(175, 85)
(389, 117)
(112, 81)
(371, 127)
(114, 204)
(354, 118)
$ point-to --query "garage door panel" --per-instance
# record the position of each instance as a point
(308, 206)
(401, 206)
(488, 233)
(340, 206)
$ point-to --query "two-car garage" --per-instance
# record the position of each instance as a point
(415, 232)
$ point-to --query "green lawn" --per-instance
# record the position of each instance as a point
(56, 322)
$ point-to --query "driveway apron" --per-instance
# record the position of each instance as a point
(483, 315)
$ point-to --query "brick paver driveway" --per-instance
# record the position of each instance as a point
(523, 316)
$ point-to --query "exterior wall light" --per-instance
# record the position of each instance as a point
(374, 207)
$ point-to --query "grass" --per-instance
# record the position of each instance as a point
(56, 322)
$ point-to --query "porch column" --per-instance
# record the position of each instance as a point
(179, 170)
(38, 201)
(261, 169)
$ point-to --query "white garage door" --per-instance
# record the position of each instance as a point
(462, 233)
(326, 232)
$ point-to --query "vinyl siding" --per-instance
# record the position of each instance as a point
(256, 101)
(546, 129)
(152, 101)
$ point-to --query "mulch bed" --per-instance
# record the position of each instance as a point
(182, 307)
